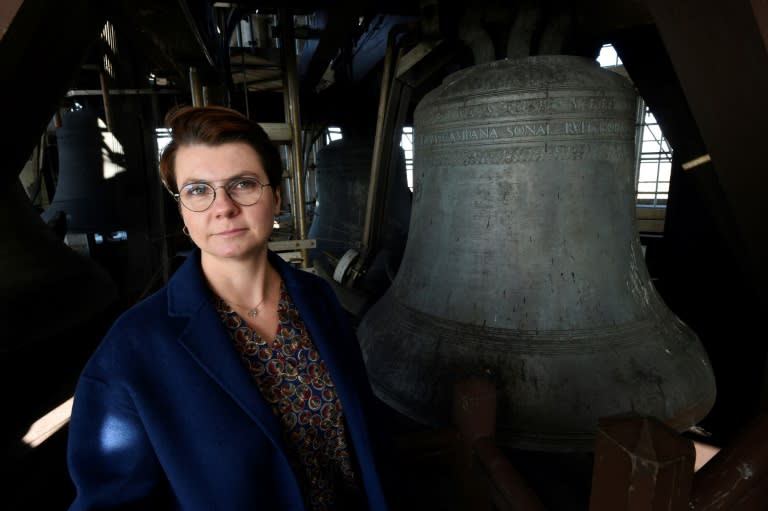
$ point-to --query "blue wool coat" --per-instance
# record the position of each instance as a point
(166, 416)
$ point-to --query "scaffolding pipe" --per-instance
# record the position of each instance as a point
(195, 87)
(288, 51)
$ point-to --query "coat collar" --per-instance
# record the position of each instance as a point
(188, 292)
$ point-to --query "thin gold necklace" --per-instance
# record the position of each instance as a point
(255, 309)
(252, 311)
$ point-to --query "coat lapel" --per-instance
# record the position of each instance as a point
(206, 340)
(319, 317)
(345, 363)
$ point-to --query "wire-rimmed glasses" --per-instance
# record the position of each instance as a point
(243, 191)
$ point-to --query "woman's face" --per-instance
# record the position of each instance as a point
(226, 230)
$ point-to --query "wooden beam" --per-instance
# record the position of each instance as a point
(640, 463)
(718, 51)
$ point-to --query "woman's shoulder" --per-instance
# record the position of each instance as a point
(144, 309)
(139, 317)
(135, 339)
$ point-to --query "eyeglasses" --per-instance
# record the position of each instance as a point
(243, 191)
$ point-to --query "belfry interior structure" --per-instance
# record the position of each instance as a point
(555, 264)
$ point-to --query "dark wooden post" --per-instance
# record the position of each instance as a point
(640, 465)
(474, 414)
(736, 478)
(506, 486)
(487, 480)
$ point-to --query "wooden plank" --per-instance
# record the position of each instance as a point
(281, 246)
(279, 132)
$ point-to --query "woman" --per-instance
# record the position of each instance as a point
(240, 384)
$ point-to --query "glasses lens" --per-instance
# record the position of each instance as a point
(197, 196)
(245, 191)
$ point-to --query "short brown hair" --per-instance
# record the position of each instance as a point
(216, 125)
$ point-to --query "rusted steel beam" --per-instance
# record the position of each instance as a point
(640, 465)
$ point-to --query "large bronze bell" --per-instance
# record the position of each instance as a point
(46, 287)
(343, 176)
(84, 194)
(343, 173)
(523, 263)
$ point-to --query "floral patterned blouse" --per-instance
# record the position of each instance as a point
(293, 378)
